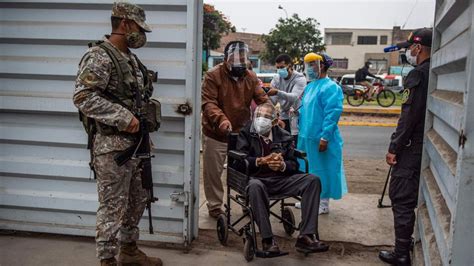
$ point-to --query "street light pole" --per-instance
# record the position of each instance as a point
(286, 13)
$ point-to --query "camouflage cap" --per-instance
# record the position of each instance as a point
(130, 11)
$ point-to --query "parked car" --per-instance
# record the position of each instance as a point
(266, 78)
(393, 82)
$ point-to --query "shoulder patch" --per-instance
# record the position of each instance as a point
(405, 95)
(88, 77)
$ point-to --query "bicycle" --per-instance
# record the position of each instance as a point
(385, 97)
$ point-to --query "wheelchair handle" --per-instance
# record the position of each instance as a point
(300, 154)
(237, 155)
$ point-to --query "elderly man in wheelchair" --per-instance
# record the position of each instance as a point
(274, 172)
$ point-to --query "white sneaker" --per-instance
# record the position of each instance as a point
(324, 206)
(225, 166)
(298, 205)
(323, 210)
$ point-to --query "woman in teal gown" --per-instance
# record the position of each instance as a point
(319, 134)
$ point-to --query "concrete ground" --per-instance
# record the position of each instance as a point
(51, 250)
(354, 219)
(355, 229)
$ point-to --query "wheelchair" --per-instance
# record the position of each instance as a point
(237, 181)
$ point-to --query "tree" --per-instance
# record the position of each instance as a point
(293, 36)
(215, 25)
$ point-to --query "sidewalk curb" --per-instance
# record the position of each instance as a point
(366, 110)
(366, 124)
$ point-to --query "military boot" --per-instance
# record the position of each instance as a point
(400, 256)
(130, 255)
(108, 262)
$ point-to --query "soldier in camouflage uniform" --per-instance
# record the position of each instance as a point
(122, 199)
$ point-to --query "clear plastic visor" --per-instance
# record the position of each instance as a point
(237, 55)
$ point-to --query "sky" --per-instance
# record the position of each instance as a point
(260, 16)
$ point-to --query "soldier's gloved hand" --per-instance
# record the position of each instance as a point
(134, 126)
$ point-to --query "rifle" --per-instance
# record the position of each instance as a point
(142, 151)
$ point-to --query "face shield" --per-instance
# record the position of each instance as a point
(312, 70)
(312, 66)
(237, 54)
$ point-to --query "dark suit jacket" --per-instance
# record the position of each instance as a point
(249, 143)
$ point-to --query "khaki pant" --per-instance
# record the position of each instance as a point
(214, 156)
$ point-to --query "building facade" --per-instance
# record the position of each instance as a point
(351, 48)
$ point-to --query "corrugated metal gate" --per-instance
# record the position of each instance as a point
(45, 182)
(446, 204)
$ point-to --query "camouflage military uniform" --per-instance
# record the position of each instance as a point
(122, 199)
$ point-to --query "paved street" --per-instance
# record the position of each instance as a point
(366, 142)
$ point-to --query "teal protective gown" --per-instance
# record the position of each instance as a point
(319, 115)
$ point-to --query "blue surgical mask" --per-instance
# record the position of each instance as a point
(283, 72)
(311, 74)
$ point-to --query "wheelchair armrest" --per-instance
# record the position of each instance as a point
(237, 155)
(300, 154)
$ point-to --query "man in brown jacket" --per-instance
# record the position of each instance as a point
(227, 91)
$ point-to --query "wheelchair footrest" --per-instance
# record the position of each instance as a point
(266, 254)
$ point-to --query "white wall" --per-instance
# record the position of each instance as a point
(354, 52)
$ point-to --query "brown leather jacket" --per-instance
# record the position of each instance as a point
(224, 98)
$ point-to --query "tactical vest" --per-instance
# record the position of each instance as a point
(123, 94)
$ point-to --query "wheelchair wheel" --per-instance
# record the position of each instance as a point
(356, 98)
(222, 229)
(288, 215)
(249, 248)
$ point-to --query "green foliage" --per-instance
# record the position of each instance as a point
(293, 36)
(215, 25)
(204, 68)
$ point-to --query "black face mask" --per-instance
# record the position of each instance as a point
(238, 71)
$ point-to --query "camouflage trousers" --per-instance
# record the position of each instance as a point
(122, 201)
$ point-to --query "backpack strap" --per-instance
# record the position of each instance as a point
(147, 80)
(114, 56)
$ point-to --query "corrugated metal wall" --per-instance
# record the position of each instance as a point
(45, 182)
(445, 215)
